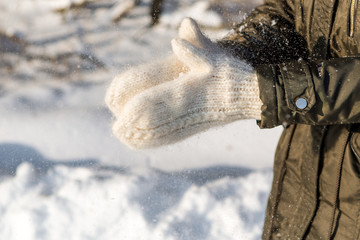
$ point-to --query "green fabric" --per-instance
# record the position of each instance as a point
(330, 87)
(304, 49)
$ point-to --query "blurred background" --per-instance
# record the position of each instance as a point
(62, 172)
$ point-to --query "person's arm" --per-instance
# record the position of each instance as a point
(267, 35)
(294, 89)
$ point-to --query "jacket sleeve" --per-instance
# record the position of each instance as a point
(267, 35)
(294, 89)
(315, 93)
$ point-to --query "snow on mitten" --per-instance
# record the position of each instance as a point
(217, 89)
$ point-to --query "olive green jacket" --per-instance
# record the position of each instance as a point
(307, 57)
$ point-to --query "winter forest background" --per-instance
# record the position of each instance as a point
(62, 173)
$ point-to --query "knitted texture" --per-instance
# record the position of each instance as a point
(137, 79)
(199, 87)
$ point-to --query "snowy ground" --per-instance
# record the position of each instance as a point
(62, 173)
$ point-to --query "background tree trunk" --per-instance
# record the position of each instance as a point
(156, 8)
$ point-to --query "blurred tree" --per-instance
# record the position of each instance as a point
(156, 8)
(123, 7)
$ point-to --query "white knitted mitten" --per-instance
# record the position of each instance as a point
(135, 80)
(215, 89)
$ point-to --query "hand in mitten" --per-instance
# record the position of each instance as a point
(216, 89)
(137, 79)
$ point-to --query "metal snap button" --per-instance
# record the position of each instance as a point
(301, 103)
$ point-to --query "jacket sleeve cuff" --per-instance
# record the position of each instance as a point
(299, 88)
(267, 75)
(287, 92)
